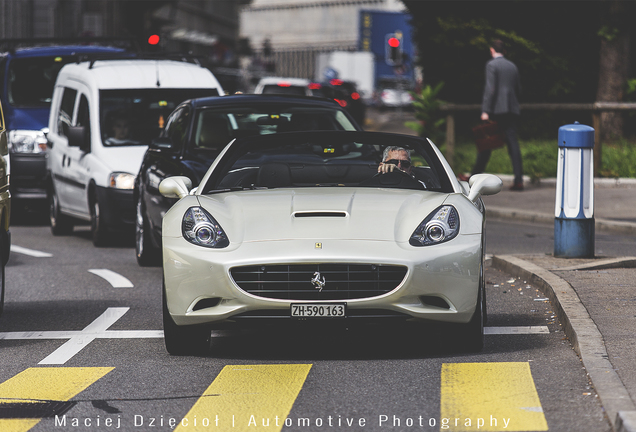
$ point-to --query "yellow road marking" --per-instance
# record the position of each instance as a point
(254, 397)
(45, 384)
(490, 397)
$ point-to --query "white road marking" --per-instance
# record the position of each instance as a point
(79, 339)
(30, 252)
(98, 329)
(115, 279)
(516, 330)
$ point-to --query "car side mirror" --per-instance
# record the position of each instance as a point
(175, 187)
(483, 184)
(78, 137)
(163, 144)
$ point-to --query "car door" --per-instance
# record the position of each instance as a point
(76, 168)
(58, 156)
(165, 163)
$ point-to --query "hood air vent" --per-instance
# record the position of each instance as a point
(320, 214)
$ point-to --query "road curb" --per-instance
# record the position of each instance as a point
(536, 217)
(584, 335)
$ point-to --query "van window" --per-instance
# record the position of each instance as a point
(65, 117)
(83, 115)
(144, 111)
(31, 80)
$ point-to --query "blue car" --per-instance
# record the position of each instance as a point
(27, 78)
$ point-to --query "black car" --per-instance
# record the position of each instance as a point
(196, 132)
(346, 94)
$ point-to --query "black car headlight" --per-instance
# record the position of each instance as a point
(201, 229)
(440, 226)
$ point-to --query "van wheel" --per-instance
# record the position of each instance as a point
(60, 224)
(147, 253)
(99, 229)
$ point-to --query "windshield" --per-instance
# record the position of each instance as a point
(31, 80)
(136, 116)
(285, 89)
(327, 160)
(215, 127)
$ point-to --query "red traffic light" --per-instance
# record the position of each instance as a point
(394, 42)
(153, 39)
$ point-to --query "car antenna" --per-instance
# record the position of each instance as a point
(157, 73)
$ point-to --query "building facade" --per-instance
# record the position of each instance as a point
(288, 35)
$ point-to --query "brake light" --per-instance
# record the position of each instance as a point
(314, 86)
(343, 103)
(355, 95)
(335, 81)
(284, 84)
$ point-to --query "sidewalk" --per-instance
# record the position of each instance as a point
(595, 299)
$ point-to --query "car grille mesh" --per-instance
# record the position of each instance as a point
(341, 281)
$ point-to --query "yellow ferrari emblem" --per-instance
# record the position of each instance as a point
(318, 245)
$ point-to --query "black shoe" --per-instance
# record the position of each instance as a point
(516, 187)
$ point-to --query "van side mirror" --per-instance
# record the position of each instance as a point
(78, 137)
(163, 144)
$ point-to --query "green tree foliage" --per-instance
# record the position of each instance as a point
(554, 44)
(430, 121)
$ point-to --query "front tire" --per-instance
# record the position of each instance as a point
(183, 340)
(99, 230)
(60, 224)
(146, 252)
(472, 334)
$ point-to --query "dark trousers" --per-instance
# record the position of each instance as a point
(507, 123)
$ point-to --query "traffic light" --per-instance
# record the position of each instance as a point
(393, 49)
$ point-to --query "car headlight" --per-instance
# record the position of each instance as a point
(440, 226)
(122, 181)
(27, 141)
(201, 229)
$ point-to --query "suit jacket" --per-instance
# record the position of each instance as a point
(502, 87)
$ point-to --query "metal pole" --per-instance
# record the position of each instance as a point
(598, 149)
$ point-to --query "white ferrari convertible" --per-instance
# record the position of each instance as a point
(324, 228)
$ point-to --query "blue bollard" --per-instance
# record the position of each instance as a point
(574, 209)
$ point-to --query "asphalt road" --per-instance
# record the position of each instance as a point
(94, 340)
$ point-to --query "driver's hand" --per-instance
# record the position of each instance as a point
(384, 168)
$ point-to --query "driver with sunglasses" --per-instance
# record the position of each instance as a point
(395, 157)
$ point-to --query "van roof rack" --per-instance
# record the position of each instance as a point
(93, 57)
(12, 45)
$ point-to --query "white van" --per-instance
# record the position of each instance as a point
(103, 115)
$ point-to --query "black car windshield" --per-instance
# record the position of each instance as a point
(30, 80)
(284, 89)
(136, 116)
(214, 128)
(327, 159)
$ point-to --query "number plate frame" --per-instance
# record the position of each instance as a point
(318, 310)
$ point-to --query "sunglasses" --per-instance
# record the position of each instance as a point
(401, 162)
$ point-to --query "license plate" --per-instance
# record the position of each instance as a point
(318, 310)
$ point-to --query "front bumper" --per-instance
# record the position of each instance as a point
(28, 176)
(449, 271)
(117, 207)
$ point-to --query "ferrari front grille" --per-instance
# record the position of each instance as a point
(328, 281)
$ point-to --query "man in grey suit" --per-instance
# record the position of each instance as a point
(501, 104)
